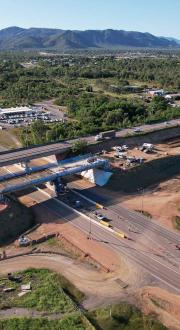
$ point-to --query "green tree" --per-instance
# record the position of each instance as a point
(79, 146)
(38, 132)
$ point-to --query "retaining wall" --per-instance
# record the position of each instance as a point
(153, 137)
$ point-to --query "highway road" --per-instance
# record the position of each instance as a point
(121, 216)
(22, 155)
(158, 268)
(146, 233)
(163, 265)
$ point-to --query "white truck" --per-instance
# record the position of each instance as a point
(105, 135)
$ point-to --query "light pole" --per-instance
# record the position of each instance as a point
(90, 231)
(141, 190)
(142, 201)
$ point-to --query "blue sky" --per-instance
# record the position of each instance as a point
(160, 17)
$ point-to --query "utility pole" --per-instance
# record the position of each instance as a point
(142, 200)
(141, 191)
(90, 231)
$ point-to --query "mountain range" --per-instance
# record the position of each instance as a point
(16, 38)
(174, 39)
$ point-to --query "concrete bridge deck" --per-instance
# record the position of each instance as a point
(24, 179)
(26, 154)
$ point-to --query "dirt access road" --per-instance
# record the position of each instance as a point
(99, 288)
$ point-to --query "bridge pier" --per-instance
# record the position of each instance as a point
(3, 199)
(25, 164)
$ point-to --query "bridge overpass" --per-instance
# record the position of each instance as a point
(22, 180)
(26, 154)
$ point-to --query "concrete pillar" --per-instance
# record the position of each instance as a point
(1, 198)
(27, 168)
(25, 165)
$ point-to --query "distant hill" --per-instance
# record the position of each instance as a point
(42, 38)
(173, 39)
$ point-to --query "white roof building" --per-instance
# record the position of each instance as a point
(16, 111)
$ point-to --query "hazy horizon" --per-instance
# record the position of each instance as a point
(159, 18)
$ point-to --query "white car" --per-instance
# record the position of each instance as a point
(137, 130)
(100, 216)
(125, 147)
(98, 137)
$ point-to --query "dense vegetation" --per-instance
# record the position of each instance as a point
(97, 113)
(74, 321)
(52, 293)
(99, 93)
(122, 316)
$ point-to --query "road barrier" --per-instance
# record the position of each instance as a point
(99, 206)
(120, 233)
(104, 223)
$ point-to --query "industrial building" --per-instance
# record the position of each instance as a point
(16, 112)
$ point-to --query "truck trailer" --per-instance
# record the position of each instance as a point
(105, 135)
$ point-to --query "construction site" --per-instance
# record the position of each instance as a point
(110, 226)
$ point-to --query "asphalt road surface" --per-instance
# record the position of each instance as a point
(168, 275)
(139, 222)
(22, 155)
(164, 267)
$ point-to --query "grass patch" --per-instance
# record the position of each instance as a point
(52, 242)
(5, 140)
(176, 222)
(9, 138)
(74, 321)
(53, 293)
(123, 316)
(50, 292)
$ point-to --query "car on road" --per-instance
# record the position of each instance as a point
(137, 130)
(100, 216)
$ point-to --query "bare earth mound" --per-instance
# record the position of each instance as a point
(161, 303)
(162, 202)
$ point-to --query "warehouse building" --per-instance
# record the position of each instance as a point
(16, 112)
